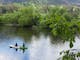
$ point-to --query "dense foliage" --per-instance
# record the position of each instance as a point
(72, 54)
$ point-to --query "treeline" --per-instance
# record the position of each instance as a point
(49, 1)
(9, 8)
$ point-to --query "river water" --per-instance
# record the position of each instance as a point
(41, 45)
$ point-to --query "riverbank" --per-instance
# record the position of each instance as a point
(62, 21)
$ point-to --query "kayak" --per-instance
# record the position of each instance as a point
(13, 46)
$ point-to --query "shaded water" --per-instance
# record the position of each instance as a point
(41, 45)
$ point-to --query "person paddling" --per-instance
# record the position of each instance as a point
(16, 44)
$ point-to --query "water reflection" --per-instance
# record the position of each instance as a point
(41, 45)
(11, 54)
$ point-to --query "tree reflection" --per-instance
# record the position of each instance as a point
(25, 33)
